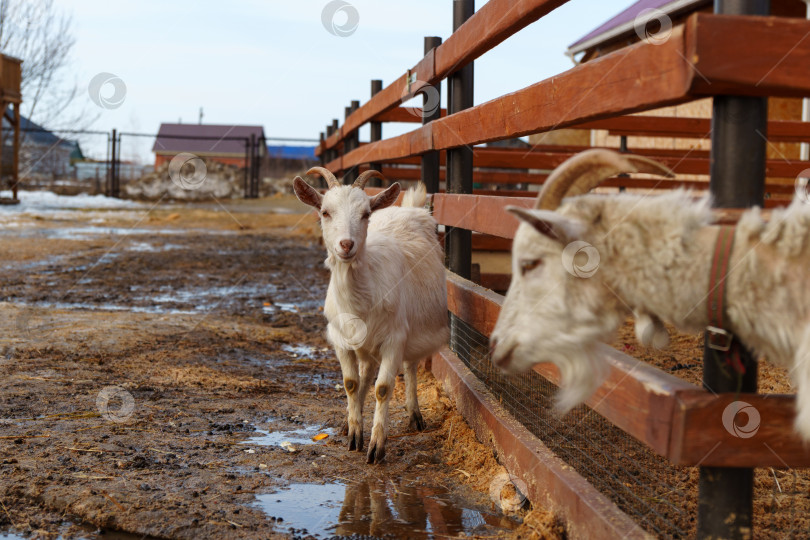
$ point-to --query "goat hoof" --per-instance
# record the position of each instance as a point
(356, 441)
(375, 454)
(417, 422)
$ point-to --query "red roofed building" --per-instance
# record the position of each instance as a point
(225, 144)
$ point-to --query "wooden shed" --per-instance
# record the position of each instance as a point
(10, 99)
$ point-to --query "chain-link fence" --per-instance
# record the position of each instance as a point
(63, 161)
(98, 162)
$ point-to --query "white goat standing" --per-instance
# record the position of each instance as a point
(655, 255)
(387, 300)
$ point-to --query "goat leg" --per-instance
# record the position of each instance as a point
(383, 390)
(354, 407)
(800, 374)
(411, 399)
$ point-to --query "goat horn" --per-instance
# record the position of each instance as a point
(587, 170)
(364, 176)
(327, 175)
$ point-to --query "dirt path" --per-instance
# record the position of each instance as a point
(154, 360)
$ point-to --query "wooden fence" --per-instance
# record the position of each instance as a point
(745, 56)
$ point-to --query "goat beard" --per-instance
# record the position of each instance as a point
(582, 371)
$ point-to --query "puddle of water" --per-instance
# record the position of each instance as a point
(201, 294)
(146, 247)
(377, 508)
(105, 307)
(304, 351)
(89, 531)
(82, 233)
(280, 306)
(297, 437)
(292, 307)
(186, 301)
(318, 379)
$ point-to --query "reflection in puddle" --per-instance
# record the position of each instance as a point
(378, 508)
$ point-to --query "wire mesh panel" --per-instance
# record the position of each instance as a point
(661, 497)
(781, 503)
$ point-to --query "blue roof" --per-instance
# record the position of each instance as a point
(292, 152)
(37, 134)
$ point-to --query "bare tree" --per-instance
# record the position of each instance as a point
(42, 37)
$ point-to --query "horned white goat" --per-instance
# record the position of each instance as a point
(654, 259)
(387, 301)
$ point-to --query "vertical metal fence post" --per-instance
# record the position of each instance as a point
(376, 132)
(108, 165)
(117, 170)
(252, 165)
(322, 157)
(350, 142)
(327, 155)
(430, 112)
(15, 163)
(347, 143)
(247, 168)
(460, 160)
(738, 154)
(113, 159)
(254, 168)
(623, 150)
(335, 150)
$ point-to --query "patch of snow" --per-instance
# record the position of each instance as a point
(46, 200)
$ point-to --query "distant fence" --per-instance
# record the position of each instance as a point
(49, 158)
(657, 452)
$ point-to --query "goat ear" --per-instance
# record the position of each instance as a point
(551, 224)
(306, 193)
(386, 198)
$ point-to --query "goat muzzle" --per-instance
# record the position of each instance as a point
(502, 361)
(347, 245)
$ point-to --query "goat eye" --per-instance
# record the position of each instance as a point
(528, 266)
(325, 214)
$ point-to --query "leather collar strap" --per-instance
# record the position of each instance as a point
(719, 338)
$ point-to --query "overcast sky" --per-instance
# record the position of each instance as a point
(274, 63)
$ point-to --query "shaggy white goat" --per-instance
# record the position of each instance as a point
(387, 301)
(654, 256)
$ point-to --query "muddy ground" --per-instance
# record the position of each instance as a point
(163, 372)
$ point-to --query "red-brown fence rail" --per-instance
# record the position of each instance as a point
(673, 421)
